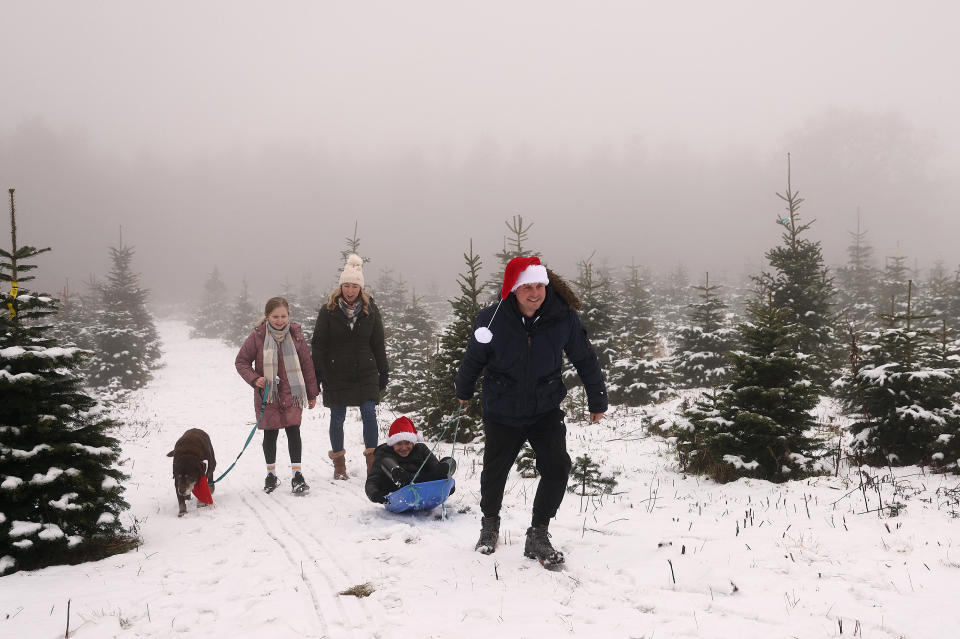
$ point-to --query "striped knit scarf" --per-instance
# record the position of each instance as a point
(350, 310)
(275, 343)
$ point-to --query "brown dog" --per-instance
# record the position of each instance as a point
(192, 459)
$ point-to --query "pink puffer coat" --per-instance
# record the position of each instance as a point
(283, 412)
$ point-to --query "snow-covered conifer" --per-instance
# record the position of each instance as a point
(702, 344)
(209, 319)
(60, 487)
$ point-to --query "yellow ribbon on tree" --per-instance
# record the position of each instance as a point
(13, 295)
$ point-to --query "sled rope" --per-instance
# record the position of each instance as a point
(263, 406)
(453, 420)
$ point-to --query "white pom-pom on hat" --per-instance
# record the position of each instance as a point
(352, 271)
(519, 271)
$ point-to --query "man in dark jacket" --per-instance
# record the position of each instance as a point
(520, 344)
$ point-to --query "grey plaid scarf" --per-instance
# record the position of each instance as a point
(275, 342)
(351, 310)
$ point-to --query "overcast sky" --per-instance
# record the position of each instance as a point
(251, 136)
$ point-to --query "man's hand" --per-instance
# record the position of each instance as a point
(595, 417)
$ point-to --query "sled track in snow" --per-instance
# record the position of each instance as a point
(293, 562)
(286, 520)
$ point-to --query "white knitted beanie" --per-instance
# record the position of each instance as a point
(352, 271)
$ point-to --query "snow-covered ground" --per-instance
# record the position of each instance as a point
(668, 555)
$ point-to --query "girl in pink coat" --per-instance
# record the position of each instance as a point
(276, 352)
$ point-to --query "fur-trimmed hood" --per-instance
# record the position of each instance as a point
(563, 290)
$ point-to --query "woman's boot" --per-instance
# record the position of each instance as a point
(339, 464)
(368, 453)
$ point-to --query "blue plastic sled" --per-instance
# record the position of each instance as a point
(420, 496)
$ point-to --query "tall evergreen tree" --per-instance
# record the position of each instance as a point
(71, 324)
(126, 343)
(637, 375)
(802, 286)
(439, 402)
(703, 343)
(758, 426)
(59, 482)
(209, 319)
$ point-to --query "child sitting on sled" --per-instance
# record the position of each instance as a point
(397, 461)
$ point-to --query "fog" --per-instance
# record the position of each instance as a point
(251, 137)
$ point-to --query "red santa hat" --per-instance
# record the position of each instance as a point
(403, 430)
(519, 271)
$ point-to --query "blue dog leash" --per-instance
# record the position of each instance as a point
(263, 406)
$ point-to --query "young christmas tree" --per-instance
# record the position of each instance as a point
(243, 317)
(438, 403)
(858, 295)
(125, 340)
(595, 289)
(209, 320)
(71, 324)
(586, 479)
(514, 245)
(900, 391)
(412, 343)
(702, 345)
(943, 354)
(759, 425)
(636, 375)
(802, 286)
(60, 489)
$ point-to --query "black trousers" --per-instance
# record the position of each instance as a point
(294, 444)
(548, 438)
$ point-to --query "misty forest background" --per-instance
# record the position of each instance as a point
(751, 354)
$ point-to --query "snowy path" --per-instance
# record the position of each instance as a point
(668, 556)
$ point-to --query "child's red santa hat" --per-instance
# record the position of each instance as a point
(403, 430)
(519, 271)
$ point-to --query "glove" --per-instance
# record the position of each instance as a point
(383, 381)
(400, 477)
(451, 465)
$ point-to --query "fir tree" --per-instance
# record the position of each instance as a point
(209, 319)
(702, 344)
(858, 295)
(944, 355)
(126, 343)
(61, 491)
(595, 291)
(71, 325)
(802, 286)
(758, 426)
(352, 246)
(899, 391)
(636, 376)
(411, 345)
(586, 479)
(514, 245)
(243, 317)
(438, 403)
(673, 296)
(527, 462)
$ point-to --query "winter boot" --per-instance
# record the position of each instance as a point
(368, 453)
(489, 534)
(339, 464)
(299, 484)
(538, 547)
(270, 483)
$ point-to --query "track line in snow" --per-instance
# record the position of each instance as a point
(286, 551)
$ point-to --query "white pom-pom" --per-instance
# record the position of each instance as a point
(355, 260)
(483, 335)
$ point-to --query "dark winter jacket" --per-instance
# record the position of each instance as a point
(523, 362)
(283, 412)
(379, 484)
(349, 362)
